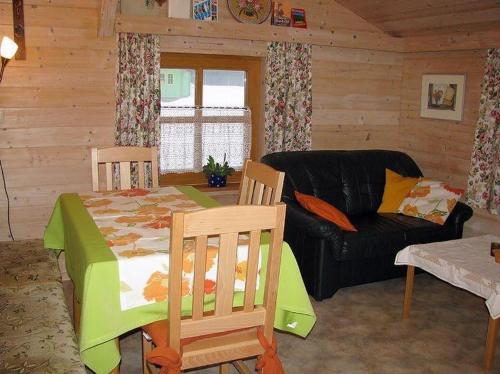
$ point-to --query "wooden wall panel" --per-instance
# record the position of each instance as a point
(53, 107)
(59, 102)
(441, 148)
(356, 98)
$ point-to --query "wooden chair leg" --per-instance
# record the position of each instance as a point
(241, 367)
(224, 368)
(410, 275)
(490, 343)
(147, 346)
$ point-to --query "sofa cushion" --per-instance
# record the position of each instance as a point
(385, 234)
(395, 190)
(431, 200)
(352, 181)
(324, 210)
(26, 262)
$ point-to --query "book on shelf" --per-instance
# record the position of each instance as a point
(282, 12)
(299, 18)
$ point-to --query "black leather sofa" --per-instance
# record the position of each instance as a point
(352, 181)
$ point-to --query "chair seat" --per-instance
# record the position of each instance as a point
(199, 348)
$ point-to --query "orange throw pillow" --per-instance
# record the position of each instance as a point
(395, 191)
(324, 210)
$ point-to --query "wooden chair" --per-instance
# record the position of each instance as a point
(227, 334)
(124, 156)
(260, 184)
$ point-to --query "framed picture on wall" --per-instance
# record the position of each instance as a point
(442, 96)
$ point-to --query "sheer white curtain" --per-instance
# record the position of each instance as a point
(189, 135)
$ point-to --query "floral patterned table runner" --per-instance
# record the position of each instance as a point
(465, 263)
(136, 227)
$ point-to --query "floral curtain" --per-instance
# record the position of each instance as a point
(288, 97)
(138, 92)
(483, 189)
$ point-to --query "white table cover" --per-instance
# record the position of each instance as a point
(465, 263)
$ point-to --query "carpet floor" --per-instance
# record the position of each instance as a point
(360, 330)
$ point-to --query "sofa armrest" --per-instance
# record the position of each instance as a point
(461, 213)
(313, 225)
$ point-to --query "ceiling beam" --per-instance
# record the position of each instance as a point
(232, 30)
(107, 16)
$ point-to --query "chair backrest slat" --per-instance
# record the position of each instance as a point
(125, 175)
(252, 269)
(175, 280)
(250, 190)
(260, 184)
(141, 174)
(200, 262)
(229, 224)
(273, 271)
(124, 157)
(225, 279)
(109, 177)
(268, 193)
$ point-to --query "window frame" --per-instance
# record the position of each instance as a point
(199, 62)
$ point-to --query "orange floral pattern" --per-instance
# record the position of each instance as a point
(160, 222)
(97, 203)
(123, 240)
(133, 219)
(157, 287)
(431, 200)
(134, 192)
(103, 212)
(129, 253)
(136, 227)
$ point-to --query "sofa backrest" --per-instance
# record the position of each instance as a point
(352, 181)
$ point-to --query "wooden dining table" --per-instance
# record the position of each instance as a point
(116, 250)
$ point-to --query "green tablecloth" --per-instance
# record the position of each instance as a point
(94, 271)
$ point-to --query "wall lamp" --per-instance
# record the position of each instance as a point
(8, 49)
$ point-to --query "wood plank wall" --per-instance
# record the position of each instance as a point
(54, 106)
(356, 92)
(60, 101)
(441, 148)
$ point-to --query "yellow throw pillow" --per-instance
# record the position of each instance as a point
(396, 189)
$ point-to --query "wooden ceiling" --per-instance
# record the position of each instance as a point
(424, 17)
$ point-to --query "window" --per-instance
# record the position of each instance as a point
(208, 107)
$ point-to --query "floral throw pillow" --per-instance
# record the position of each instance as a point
(430, 200)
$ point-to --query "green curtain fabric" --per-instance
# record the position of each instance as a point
(483, 187)
(288, 97)
(138, 98)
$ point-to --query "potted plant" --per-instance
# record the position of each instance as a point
(217, 173)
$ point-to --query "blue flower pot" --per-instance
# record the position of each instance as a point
(217, 180)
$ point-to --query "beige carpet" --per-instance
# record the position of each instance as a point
(360, 330)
